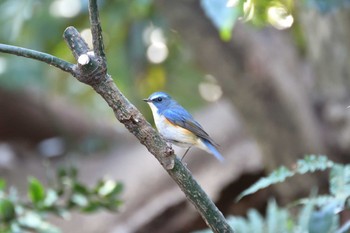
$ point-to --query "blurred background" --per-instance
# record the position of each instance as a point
(268, 80)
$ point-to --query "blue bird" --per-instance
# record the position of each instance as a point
(178, 126)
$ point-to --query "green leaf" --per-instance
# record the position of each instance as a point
(279, 175)
(80, 188)
(61, 172)
(239, 224)
(79, 200)
(35, 222)
(304, 216)
(312, 163)
(276, 218)
(7, 210)
(2, 184)
(51, 198)
(325, 219)
(256, 221)
(319, 200)
(340, 181)
(73, 173)
(113, 205)
(107, 187)
(63, 213)
(36, 191)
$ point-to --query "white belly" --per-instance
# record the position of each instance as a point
(174, 134)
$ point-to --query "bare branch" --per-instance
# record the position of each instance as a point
(76, 43)
(44, 57)
(96, 30)
(91, 71)
(196, 195)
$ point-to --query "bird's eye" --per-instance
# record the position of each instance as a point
(159, 99)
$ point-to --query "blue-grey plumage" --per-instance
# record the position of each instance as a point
(177, 125)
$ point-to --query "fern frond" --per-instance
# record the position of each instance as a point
(308, 164)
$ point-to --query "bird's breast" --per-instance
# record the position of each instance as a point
(174, 133)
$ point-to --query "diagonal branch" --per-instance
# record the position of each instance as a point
(36, 55)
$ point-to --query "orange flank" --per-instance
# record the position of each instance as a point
(182, 130)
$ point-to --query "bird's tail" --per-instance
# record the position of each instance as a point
(212, 149)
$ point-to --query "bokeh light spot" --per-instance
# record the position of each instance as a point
(232, 3)
(279, 17)
(157, 50)
(209, 89)
(248, 9)
(157, 53)
(65, 8)
(86, 34)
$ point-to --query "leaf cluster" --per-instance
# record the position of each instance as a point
(314, 214)
(69, 194)
(224, 14)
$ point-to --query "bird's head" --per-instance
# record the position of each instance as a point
(159, 101)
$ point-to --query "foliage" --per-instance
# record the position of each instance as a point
(223, 17)
(278, 13)
(310, 163)
(315, 214)
(17, 215)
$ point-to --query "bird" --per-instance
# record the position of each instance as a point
(178, 126)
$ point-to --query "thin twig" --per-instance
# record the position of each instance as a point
(44, 57)
(96, 30)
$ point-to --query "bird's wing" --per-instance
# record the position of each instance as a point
(180, 117)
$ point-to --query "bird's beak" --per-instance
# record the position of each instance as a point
(147, 100)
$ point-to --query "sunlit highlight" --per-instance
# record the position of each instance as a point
(279, 17)
(248, 9)
(107, 188)
(65, 8)
(232, 3)
(157, 50)
(157, 36)
(209, 90)
(87, 36)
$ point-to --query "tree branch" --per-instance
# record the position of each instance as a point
(44, 57)
(96, 31)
